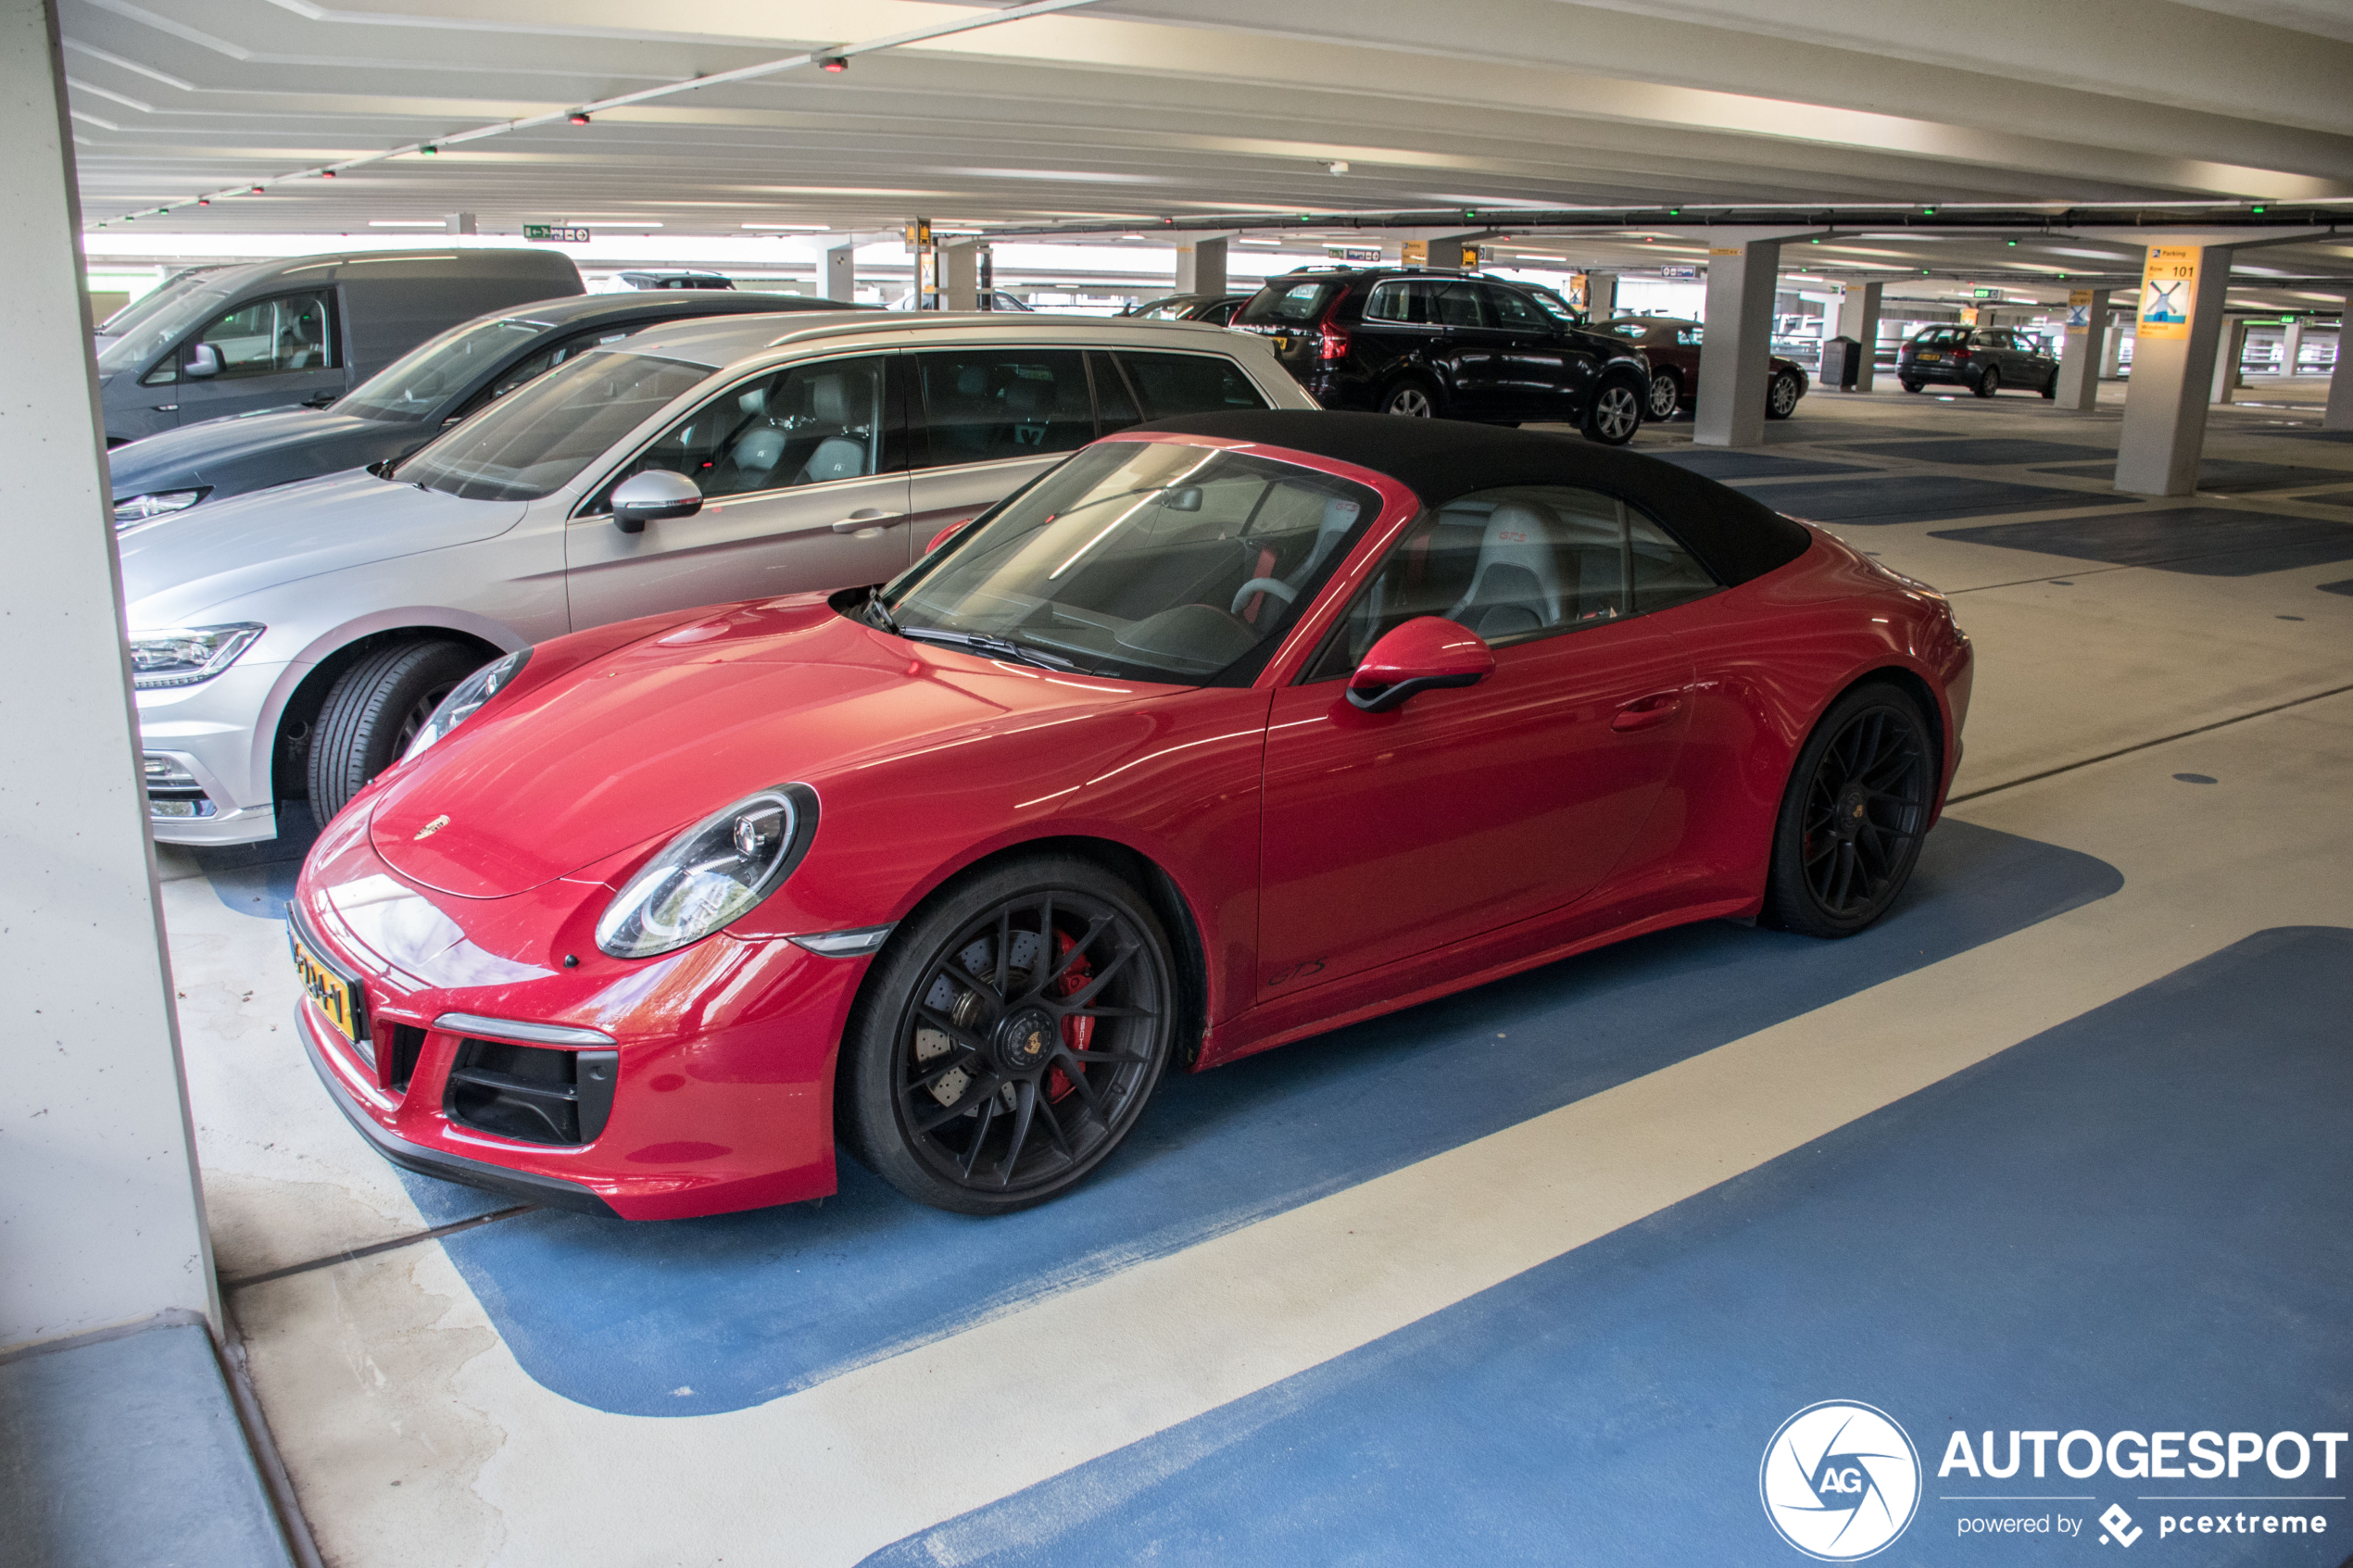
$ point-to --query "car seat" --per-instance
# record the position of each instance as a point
(1515, 587)
(839, 455)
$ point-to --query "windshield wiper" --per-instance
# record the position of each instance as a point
(879, 610)
(979, 643)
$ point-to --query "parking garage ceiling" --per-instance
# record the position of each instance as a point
(1138, 111)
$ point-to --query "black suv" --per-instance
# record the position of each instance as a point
(1447, 345)
(1984, 359)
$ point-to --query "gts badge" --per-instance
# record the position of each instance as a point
(1297, 972)
(433, 827)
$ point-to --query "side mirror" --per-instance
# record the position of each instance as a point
(203, 360)
(1425, 653)
(655, 496)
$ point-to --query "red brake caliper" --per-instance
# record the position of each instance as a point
(1077, 1032)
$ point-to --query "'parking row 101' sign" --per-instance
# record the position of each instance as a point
(558, 234)
(2166, 287)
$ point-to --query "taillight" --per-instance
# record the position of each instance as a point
(1963, 354)
(1331, 342)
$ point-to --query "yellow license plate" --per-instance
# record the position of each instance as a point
(335, 996)
(1925, 358)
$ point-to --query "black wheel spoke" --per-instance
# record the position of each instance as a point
(978, 1089)
(1106, 1056)
(1102, 977)
(1005, 952)
(951, 1028)
(1024, 1109)
(980, 1135)
(1102, 1012)
(1052, 1122)
(1075, 1074)
(1078, 951)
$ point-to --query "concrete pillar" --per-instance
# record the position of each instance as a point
(2173, 368)
(1200, 267)
(1600, 295)
(2112, 351)
(461, 223)
(1733, 364)
(960, 277)
(1858, 319)
(2084, 349)
(838, 277)
(2228, 356)
(99, 1204)
(2339, 412)
(2291, 345)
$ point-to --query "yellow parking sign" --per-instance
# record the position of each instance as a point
(2166, 285)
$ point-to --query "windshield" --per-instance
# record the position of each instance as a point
(535, 440)
(419, 382)
(134, 345)
(1147, 560)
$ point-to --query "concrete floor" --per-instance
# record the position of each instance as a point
(1528, 1275)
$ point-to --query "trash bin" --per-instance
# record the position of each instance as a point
(1841, 363)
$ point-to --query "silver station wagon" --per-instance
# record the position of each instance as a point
(291, 642)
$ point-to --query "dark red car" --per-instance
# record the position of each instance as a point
(1672, 346)
(1220, 734)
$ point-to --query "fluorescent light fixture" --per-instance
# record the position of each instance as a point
(1275, 244)
(611, 223)
(408, 223)
(805, 228)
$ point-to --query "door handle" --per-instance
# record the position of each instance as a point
(1647, 712)
(865, 518)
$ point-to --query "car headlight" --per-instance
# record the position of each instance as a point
(467, 697)
(186, 654)
(710, 875)
(160, 503)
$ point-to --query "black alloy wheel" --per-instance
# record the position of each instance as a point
(1411, 399)
(1615, 413)
(1856, 811)
(1009, 1037)
(1780, 399)
(373, 710)
(1990, 382)
(1667, 396)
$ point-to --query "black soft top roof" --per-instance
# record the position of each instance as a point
(1439, 460)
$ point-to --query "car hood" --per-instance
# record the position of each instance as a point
(630, 749)
(177, 566)
(195, 454)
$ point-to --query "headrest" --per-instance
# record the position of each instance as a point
(828, 402)
(754, 401)
(1026, 399)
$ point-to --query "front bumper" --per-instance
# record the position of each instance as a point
(722, 1053)
(214, 730)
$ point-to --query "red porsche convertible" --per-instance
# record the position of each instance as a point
(1219, 735)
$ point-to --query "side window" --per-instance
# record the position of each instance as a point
(1515, 310)
(1114, 405)
(1515, 565)
(267, 337)
(1458, 306)
(1408, 301)
(1189, 383)
(984, 405)
(801, 425)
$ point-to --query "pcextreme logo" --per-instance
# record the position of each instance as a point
(1840, 1480)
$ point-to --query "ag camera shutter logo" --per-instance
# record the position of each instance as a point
(1840, 1480)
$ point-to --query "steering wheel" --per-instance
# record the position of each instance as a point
(1274, 585)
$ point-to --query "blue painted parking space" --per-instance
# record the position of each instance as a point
(691, 1317)
(2124, 1224)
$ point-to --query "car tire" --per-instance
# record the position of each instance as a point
(1908, 386)
(1990, 382)
(1666, 399)
(968, 1081)
(1413, 398)
(1616, 412)
(2050, 388)
(1780, 399)
(1854, 816)
(374, 709)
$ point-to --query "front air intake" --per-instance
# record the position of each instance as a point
(532, 1094)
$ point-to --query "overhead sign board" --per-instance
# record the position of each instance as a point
(1369, 254)
(2167, 284)
(1985, 294)
(557, 233)
(1416, 253)
(1679, 274)
(2079, 310)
